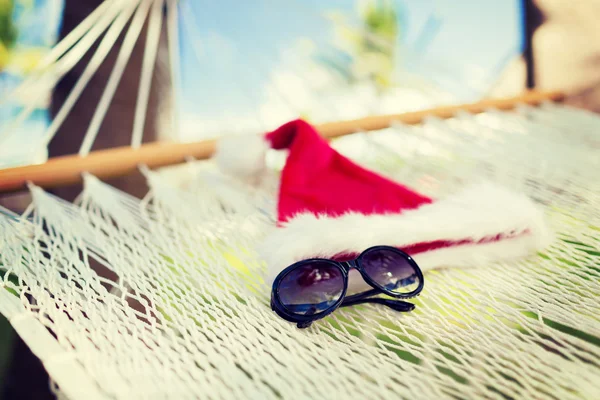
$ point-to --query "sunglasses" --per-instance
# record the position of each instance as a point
(312, 289)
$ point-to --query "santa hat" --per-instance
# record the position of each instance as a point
(331, 207)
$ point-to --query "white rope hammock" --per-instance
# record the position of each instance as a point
(164, 297)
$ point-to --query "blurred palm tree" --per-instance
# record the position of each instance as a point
(367, 52)
(8, 31)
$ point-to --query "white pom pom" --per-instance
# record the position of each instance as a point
(242, 157)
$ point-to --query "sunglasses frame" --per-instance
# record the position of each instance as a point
(345, 267)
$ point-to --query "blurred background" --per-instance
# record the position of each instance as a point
(245, 67)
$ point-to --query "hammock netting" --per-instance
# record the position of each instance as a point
(166, 297)
(181, 310)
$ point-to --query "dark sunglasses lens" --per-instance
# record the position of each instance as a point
(311, 288)
(391, 270)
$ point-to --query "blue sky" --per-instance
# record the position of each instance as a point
(475, 31)
(234, 48)
(258, 29)
(38, 21)
(241, 42)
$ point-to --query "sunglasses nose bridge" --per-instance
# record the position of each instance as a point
(351, 264)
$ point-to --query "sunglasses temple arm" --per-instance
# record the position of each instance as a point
(363, 295)
(397, 305)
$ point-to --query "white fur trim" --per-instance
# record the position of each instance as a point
(242, 156)
(475, 213)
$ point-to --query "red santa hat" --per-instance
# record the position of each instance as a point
(331, 207)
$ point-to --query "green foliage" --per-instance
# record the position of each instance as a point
(12, 278)
(367, 52)
(380, 24)
(7, 335)
(8, 30)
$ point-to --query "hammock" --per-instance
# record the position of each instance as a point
(165, 296)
